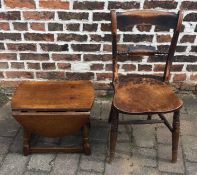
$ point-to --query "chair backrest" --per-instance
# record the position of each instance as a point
(145, 17)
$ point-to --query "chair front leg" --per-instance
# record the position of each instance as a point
(113, 134)
(175, 135)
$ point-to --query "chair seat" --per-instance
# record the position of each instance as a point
(145, 95)
(54, 96)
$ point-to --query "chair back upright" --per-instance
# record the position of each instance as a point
(125, 19)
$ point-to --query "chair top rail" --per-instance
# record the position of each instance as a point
(146, 17)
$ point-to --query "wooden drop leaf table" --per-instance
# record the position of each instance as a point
(53, 109)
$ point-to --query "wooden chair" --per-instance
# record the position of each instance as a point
(143, 95)
(53, 109)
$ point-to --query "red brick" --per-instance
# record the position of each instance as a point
(4, 26)
(188, 5)
(1, 75)
(21, 46)
(191, 17)
(64, 66)
(157, 58)
(10, 36)
(90, 27)
(161, 4)
(39, 37)
(144, 67)
(137, 38)
(179, 77)
(88, 5)
(174, 68)
(86, 47)
(188, 39)
(144, 28)
(72, 27)
(123, 5)
(96, 67)
(181, 48)
(163, 38)
(104, 76)
(10, 15)
(2, 46)
(17, 65)
(55, 27)
(80, 75)
(99, 38)
(20, 3)
(193, 77)
(8, 56)
(48, 66)
(34, 56)
(106, 26)
(101, 16)
(165, 48)
(185, 58)
(108, 67)
(161, 29)
(71, 37)
(129, 67)
(54, 47)
(50, 75)
(51, 4)
(72, 16)
(35, 66)
(191, 68)
(45, 15)
(3, 65)
(20, 26)
(37, 26)
(107, 48)
(19, 74)
(93, 57)
(66, 57)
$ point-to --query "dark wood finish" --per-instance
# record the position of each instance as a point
(113, 134)
(86, 145)
(175, 135)
(143, 95)
(45, 123)
(26, 142)
(165, 122)
(54, 96)
(147, 17)
(139, 122)
(53, 109)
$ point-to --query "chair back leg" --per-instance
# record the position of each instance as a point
(175, 135)
(113, 133)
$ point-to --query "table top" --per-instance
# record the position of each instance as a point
(54, 96)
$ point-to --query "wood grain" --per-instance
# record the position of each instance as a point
(54, 96)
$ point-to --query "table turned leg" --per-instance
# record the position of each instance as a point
(86, 145)
(175, 135)
(26, 142)
(113, 134)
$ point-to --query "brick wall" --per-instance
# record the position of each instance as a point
(70, 39)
